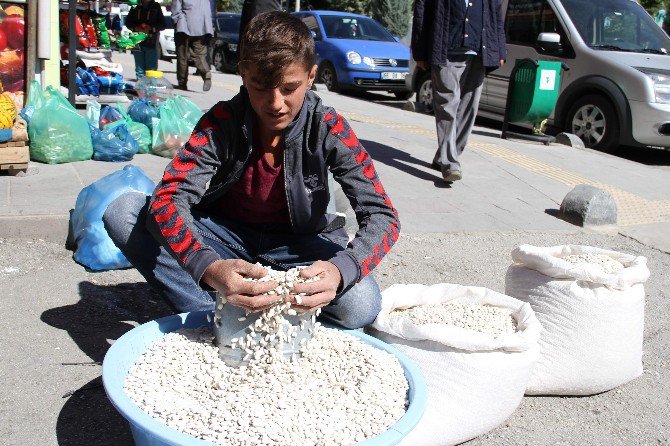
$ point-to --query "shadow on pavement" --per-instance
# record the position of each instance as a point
(400, 160)
(650, 157)
(104, 312)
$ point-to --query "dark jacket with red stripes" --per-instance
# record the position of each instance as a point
(318, 140)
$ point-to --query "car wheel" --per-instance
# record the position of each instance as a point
(403, 95)
(328, 76)
(424, 92)
(594, 120)
(219, 60)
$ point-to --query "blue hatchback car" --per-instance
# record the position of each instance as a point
(355, 52)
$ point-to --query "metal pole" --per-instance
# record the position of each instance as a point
(72, 51)
(31, 42)
(297, 5)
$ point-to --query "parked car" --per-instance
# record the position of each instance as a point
(225, 41)
(166, 46)
(617, 89)
(355, 52)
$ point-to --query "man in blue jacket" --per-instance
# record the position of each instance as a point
(458, 41)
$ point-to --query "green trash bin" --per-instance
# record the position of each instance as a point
(532, 95)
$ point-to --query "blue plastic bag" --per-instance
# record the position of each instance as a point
(111, 84)
(87, 82)
(142, 110)
(113, 143)
(95, 250)
(109, 114)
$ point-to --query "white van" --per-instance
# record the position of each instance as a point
(617, 90)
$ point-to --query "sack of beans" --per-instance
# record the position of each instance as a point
(475, 348)
(590, 302)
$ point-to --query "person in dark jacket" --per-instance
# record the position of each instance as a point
(147, 17)
(251, 185)
(250, 9)
(458, 41)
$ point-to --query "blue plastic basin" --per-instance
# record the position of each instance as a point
(149, 432)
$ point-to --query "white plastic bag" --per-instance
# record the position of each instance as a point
(593, 321)
(475, 380)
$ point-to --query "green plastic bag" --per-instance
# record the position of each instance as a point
(101, 31)
(124, 43)
(138, 131)
(136, 38)
(170, 132)
(93, 112)
(187, 110)
(58, 134)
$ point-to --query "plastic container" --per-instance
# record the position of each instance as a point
(153, 86)
(231, 327)
(149, 432)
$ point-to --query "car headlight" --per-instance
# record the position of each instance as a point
(354, 57)
(661, 80)
(369, 61)
(169, 38)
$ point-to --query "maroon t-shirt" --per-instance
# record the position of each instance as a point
(259, 196)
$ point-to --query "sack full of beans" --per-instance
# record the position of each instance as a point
(475, 347)
(590, 302)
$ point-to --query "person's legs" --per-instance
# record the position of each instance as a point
(151, 57)
(471, 91)
(138, 55)
(124, 221)
(182, 48)
(199, 46)
(446, 98)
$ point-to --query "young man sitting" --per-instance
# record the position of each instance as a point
(251, 186)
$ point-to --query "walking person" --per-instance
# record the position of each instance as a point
(146, 17)
(193, 29)
(251, 8)
(459, 41)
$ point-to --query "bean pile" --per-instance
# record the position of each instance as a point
(605, 262)
(270, 330)
(482, 318)
(341, 391)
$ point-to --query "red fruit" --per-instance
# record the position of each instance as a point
(3, 40)
(14, 27)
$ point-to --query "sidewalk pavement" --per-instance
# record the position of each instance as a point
(507, 184)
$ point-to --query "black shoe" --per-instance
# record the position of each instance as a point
(436, 166)
(181, 87)
(451, 175)
(207, 85)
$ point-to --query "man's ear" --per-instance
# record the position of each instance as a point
(312, 76)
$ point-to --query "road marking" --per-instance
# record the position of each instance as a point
(631, 209)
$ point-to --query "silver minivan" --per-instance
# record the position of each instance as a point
(617, 88)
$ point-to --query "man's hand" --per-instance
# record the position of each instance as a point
(502, 63)
(318, 293)
(226, 277)
(422, 64)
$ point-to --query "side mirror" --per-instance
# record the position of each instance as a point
(549, 42)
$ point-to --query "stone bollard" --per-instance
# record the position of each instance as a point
(570, 139)
(589, 206)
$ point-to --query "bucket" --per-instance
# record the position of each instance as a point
(149, 432)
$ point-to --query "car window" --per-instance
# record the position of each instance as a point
(228, 23)
(617, 25)
(169, 23)
(312, 24)
(358, 28)
(526, 19)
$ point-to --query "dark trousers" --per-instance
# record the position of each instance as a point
(195, 46)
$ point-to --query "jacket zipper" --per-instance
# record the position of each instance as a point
(288, 196)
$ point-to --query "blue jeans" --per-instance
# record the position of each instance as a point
(146, 58)
(271, 245)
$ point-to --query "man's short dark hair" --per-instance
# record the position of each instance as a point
(274, 40)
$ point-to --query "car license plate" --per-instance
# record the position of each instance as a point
(393, 75)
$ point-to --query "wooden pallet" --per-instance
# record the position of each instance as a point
(14, 157)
